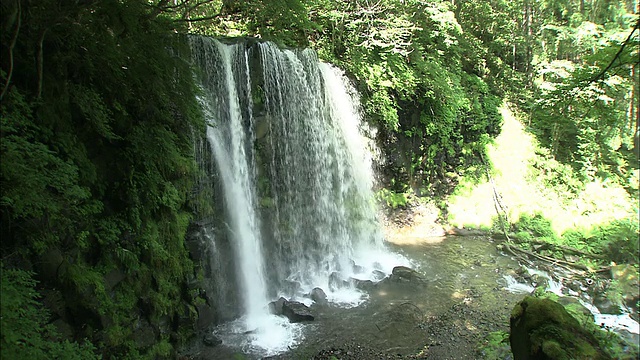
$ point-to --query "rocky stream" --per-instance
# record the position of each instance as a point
(458, 294)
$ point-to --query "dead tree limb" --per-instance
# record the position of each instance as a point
(12, 45)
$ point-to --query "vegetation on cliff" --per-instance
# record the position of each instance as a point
(98, 113)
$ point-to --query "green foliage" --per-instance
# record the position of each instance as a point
(26, 333)
(617, 240)
(406, 59)
(614, 241)
(495, 346)
(536, 225)
(98, 162)
(392, 198)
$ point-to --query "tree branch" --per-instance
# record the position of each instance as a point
(11, 47)
(40, 63)
(624, 44)
(204, 18)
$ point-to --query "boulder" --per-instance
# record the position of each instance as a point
(275, 307)
(362, 284)
(378, 275)
(403, 273)
(206, 316)
(211, 340)
(543, 329)
(318, 296)
(296, 311)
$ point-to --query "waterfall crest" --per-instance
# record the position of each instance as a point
(284, 130)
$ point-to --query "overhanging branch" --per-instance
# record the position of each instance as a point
(624, 44)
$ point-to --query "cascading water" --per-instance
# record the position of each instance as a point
(284, 132)
(324, 218)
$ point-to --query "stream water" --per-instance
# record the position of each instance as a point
(467, 291)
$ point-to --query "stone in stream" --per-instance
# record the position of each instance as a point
(318, 296)
(362, 284)
(403, 273)
(378, 275)
(275, 307)
(543, 329)
(211, 340)
(296, 311)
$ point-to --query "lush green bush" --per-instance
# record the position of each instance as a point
(614, 241)
(97, 160)
(25, 331)
(392, 199)
(536, 225)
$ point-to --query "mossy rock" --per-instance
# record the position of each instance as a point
(543, 329)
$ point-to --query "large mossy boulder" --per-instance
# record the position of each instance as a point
(543, 329)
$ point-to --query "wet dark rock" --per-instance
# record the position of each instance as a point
(296, 311)
(206, 316)
(275, 307)
(211, 340)
(113, 278)
(362, 284)
(378, 275)
(144, 335)
(539, 281)
(65, 330)
(318, 296)
(543, 329)
(403, 273)
(262, 126)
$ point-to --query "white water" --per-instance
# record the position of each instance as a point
(312, 214)
(233, 162)
(323, 179)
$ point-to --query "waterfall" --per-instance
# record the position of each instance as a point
(284, 131)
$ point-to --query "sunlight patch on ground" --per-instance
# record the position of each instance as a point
(522, 190)
(422, 230)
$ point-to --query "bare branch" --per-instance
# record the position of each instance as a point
(11, 47)
(204, 18)
(624, 44)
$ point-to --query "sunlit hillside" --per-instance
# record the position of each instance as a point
(528, 182)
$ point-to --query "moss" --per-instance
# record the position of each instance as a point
(554, 350)
(543, 328)
(517, 311)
